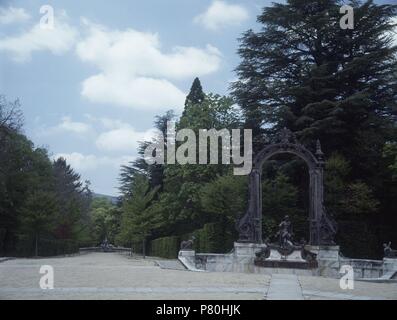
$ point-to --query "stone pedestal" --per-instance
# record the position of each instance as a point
(328, 260)
(292, 260)
(244, 255)
(242, 249)
(189, 254)
(188, 259)
(244, 261)
(389, 265)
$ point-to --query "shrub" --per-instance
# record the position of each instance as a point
(166, 247)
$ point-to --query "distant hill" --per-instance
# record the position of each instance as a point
(112, 199)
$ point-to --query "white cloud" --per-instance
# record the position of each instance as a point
(84, 163)
(65, 125)
(138, 93)
(135, 72)
(13, 15)
(111, 123)
(77, 127)
(220, 14)
(105, 122)
(124, 138)
(57, 40)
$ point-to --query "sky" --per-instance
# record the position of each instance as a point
(91, 85)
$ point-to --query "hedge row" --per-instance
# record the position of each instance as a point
(2, 238)
(166, 247)
(212, 238)
(26, 247)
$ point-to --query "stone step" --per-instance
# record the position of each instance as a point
(284, 287)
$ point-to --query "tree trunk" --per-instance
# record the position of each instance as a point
(144, 248)
(37, 246)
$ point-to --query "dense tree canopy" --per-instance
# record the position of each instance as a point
(299, 70)
(39, 199)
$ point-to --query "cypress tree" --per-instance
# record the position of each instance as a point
(196, 94)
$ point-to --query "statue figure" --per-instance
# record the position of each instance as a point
(285, 233)
(389, 252)
(105, 244)
(188, 245)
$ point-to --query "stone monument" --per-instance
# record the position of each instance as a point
(285, 253)
(388, 251)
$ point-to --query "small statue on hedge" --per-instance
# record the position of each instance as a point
(389, 252)
(188, 245)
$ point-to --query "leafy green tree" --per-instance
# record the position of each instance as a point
(23, 170)
(73, 200)
(37, 215)
(354, 205)
(138, 222)
(155, 172)
(12, 145)
(186, 181)
(390, 155)
(359, 200)
(224, 200)
(105, 219)
(344, 198)
(36, 195)
(280, 198)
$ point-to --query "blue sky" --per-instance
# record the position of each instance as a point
(91, 86)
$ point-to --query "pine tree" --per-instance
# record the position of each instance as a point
(196, 94)
(304, 72)
(70, 198)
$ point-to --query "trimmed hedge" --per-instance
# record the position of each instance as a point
(212, 238)
(166, 247)
(2, 238)
(46, 248)
(357, 240)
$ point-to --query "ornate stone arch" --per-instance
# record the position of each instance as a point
(322, 227)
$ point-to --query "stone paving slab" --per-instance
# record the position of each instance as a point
(284, 287)
(110, 276)
(328, 288)
(170, 264)
(68, 291)
(309, 294)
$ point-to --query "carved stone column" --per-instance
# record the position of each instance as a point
(257, 199)
(249, 225)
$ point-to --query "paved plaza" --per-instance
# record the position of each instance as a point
(115, 276)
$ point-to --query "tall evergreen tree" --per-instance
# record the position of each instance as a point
(304, 72)
(37, 216)
(196, 94)
(70, 198)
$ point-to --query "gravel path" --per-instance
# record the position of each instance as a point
(114, 276)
